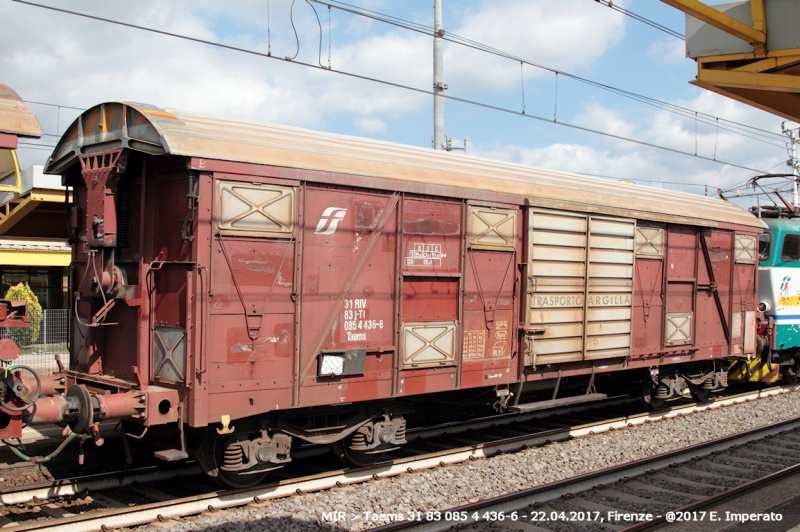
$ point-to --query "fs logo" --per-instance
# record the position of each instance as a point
(330, 218)
(785, 284)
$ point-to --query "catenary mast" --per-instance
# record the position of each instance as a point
(438, 77)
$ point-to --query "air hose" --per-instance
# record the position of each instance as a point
(42, 459)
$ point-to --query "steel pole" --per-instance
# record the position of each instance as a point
(438, 77)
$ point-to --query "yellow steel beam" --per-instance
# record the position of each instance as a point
(39, 194)
(11, 212)
(759, 15)
(720, 20)
(769, 63)
(785, 104)
(14, 210)
(17, 175)
(750, 80)
(748, 56)
(28, 257)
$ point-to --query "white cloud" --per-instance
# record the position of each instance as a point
(373, 126)
(608, 120)
(79, 62)
(566, 34)
(668, 51)
(625, 160)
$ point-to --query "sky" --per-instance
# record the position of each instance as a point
(73, 62)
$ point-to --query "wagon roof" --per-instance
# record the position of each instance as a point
(162, 131)
(15, 118)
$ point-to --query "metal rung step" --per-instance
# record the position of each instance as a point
(543, 405)
(171, 455)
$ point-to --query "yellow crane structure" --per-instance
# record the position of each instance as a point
(748, 51)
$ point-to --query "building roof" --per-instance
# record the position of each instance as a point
(160, 131)
(15, 118)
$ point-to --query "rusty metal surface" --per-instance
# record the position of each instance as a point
(160, 131)
(15, 118)
(241, 278)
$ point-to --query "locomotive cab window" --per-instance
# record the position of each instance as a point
(791, 248)
(764, 246)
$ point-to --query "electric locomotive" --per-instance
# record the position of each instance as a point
(779, 300)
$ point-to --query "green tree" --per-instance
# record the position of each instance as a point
(25, 337)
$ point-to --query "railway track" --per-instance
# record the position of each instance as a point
(53, 502)
(688, 489)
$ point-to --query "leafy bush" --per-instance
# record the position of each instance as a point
(25, 336)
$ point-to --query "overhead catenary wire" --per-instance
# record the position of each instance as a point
(34, 146)
(734, 127)
(296, 38)
(640, 18)
(383, 82)
(319, 55)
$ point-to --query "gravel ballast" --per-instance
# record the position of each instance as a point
(447, 487)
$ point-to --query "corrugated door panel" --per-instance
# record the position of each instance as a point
(611, 285)
(610, 256)
(547, 316)
(541, 238)
(558, 221)
(611, 327)
(623, 271)
(611, 242)
(557, 346)
(556, 285)
(556, 268)
(610, 288)
(577, 254)
(609, 314)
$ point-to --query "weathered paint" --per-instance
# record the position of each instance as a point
(243, 274)
(167, 131)
(15, 118)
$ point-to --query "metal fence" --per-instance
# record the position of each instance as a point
(39, 348)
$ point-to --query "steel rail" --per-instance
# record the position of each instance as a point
(505, 504)
(718, 498)
(70, 487)
(457, 427)
(66, 488)
(138, 515)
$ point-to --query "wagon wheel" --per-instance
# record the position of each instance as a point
(232, 479)
(347, 455)
(649, 396)
(790, 377)
(699, 394)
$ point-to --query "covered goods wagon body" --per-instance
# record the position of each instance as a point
(225, 269)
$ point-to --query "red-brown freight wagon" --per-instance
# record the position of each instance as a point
(256, 285)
